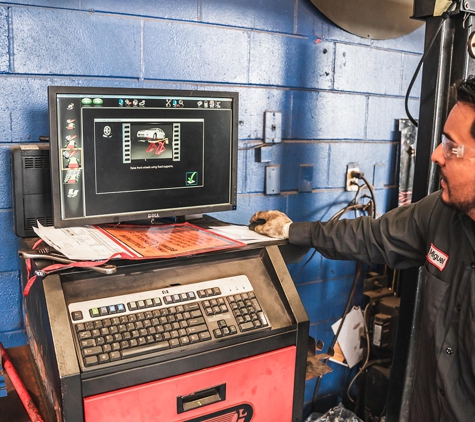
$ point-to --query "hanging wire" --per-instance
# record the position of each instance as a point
(352, 206)
(444, 17)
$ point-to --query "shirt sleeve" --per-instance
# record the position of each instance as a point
(397, 238)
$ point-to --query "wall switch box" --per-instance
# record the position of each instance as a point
(305, 178)
(265, 154)
(272, 127)
(273, 180)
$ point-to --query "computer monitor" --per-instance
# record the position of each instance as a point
(129, 154)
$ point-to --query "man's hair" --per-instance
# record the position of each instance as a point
(465, 91)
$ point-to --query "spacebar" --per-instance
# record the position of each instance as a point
(142, 350)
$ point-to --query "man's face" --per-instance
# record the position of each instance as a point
(458, 173)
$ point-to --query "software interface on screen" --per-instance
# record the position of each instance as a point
(143, 156)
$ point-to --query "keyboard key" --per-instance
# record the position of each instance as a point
(204, 336)
(195, 321)
(94, 312)
(104, 358)
(114, 356)
(91, 360)
(184, 341)
(262, 318)
(197, 329)
(76, 315)
(87, 343)
(84, 335)
(90, 351)
(194, 338)
(149, 348)
(246, 326)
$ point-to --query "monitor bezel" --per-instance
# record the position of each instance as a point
(145, 215)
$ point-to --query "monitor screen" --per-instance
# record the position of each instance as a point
(120, 154)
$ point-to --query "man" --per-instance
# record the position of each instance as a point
(437, 233)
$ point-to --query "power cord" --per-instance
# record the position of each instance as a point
(353, 205)
(444, 16)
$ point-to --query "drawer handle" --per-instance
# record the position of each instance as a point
(201, 398)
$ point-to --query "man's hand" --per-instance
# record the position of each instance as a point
(276, 224)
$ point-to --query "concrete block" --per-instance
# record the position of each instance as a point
(179, 51)
(5, 178)
(9, 260)
(13, 338)
(27, 109)
(64, 42)
(288, 60)
(4, 47)
(11, 315)
(297, 153)
(277, 16)
(367, 70)
(387, 111)
(328, 115)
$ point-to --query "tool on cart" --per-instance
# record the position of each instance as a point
(36, 254)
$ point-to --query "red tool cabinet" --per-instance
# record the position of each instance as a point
(237, 375)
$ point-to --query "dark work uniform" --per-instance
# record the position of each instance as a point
(442, 241)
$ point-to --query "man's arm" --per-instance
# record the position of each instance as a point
(398, 238)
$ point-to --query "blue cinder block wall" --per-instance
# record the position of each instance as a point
(340, 96)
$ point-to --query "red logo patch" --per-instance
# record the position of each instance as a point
(437, 258)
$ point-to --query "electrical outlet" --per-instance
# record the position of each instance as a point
(351, 182)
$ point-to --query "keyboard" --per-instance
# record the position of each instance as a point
(114, 329)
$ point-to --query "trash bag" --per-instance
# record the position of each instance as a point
(335, 414)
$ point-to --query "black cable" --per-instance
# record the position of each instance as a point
(261, 145)
(335, 337)
(303, 266)
(371, 190)
(350, 207)
(353, 205)
(444, 16)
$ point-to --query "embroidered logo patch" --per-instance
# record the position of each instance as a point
(437, 258)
